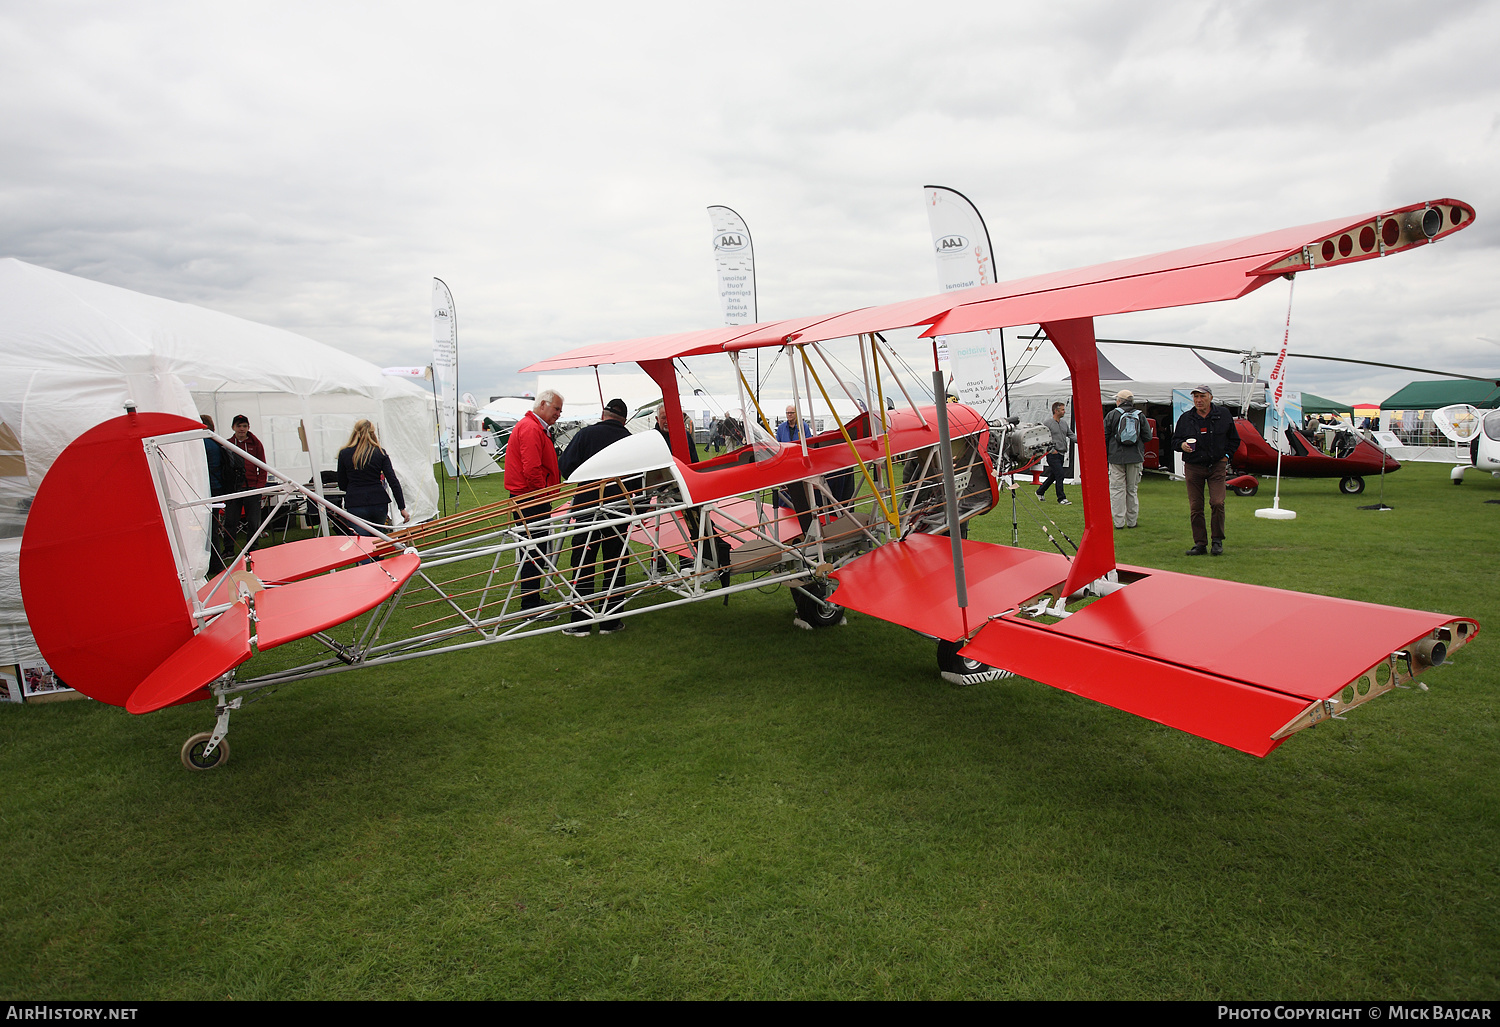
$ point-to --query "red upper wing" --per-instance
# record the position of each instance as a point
(1196, 274)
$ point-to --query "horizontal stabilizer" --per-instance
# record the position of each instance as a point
(304, 607)
(293, 561)
(220, 647)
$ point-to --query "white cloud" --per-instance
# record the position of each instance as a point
(312, 166)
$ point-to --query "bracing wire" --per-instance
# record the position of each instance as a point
(760, 382)
(917, 379)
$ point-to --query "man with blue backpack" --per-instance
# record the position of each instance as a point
(1126, 430)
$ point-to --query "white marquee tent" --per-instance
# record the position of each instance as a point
(75, 351)
(1151, 372)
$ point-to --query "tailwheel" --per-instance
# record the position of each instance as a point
(193, 749)
(1352, 485)
(813, 608)
(1246, 490)
(961, 670)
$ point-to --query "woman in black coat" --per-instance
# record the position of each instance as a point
(362, 465)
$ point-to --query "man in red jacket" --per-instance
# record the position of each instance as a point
(530, 467)
(255, 478)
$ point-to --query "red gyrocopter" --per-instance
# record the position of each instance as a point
(875, 507)
(1352, 458)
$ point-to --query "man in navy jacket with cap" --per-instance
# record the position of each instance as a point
(1207, 439)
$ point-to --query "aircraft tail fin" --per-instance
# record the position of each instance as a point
(109, 585)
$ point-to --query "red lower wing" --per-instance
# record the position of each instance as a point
(1230, 662)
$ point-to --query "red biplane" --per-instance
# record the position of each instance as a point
(864, 516)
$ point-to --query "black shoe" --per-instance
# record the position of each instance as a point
(1218, 547)
(1197, 551)
(610, 627)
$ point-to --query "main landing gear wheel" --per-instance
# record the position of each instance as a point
(192, 752)
(1352, 485)
(813, 609)
(1246, 490)
(961, 670)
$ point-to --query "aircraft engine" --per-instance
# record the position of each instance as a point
(1013, 444)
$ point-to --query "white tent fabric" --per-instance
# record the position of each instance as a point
(475, 457)
(580, 392)
(506, 409)
(1151, 372)
(75, 351)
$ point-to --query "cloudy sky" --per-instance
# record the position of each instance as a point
(312, 166)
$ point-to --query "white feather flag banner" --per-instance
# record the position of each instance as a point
(734, 260)
(1276, 384)
(445, 370)
(961, 246)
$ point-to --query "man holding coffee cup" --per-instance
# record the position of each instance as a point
(1206, 438)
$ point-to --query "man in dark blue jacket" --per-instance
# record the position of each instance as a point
(1206, 437)
(586, 501)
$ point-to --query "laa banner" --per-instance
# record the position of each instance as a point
(734, 259)
(445, 371)
(961, 246)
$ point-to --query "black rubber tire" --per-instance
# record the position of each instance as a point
(192, 752)
(1352, 485)
(1246, 490)
(950, 662)
(815, 614)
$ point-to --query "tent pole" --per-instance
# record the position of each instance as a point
(437, 414)
(317, 474)
(458, 425)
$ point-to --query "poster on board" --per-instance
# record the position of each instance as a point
(10, 684)
(38, 679)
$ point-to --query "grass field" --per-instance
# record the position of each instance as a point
(714, 804)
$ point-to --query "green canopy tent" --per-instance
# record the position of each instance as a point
(1434, 395)
(1312, 404)
(1408, 412)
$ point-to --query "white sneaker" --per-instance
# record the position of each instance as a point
(1064, 502)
